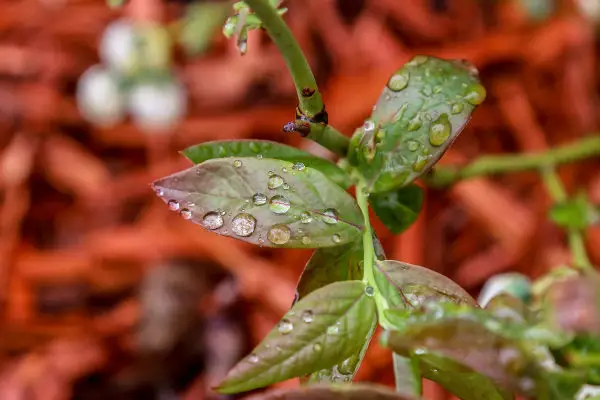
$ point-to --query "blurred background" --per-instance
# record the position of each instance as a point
(106, 294)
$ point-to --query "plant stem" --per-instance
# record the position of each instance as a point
(575, 236)
(309, 97)
(587, 147)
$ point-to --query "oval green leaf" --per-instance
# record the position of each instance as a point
(420, 112)
(265, 149)
(359, 391)
(263, 201)
(398, 209)
(321, 330)
(419, 285)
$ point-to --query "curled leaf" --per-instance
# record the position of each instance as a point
(423, 108)
(263, 201)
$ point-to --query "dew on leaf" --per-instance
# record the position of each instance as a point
(243, 224)
(306, 217)
(299, 166)
(414, 124)
(399, 80)
(475, 94)
(237, 163)
(348, 366)
(279, 234)
(279, 204)
(308, 316)
(305, 240)
(317, 347)
(275, 181)
(413, 145)
(253, 358)
(284, 170)
(333, 330)
(159, 192)
(285, 326)
(259, 156)
(259, 199)
(185, 213)
(369, 291)
(336, 238)
(440, 131)
(212, 220)
(285, 186)
(330, 216)
(420, 164)
(418, 60)
(173, 205)
(369, 126)
(457, 108)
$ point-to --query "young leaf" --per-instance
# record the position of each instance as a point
(266, 149)
(359, 391)
(399, 208)
(264, 202)
(421, 111)
(419, 285)
(326, 327)
(576, 213)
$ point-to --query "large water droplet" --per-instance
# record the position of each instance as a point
(159, 192)
(440, 131)
(457, 108)
(333, 330)
(336, 238)
(212, 220)
(185, 213)
(279, 234)
(308, 316)
(279, 204)
(243, 224)
(330, 216)
(348, 366)
(253, 358)
(305, 240)
(413, 145)
(275, 181)
(259, 199)
(285, 326)
(299, 166)
(475, 94)
(399, 80)
(306, 217)
(369, 291)
(418, 60)
(173, 205)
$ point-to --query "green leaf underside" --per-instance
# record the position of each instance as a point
(341, 315)
(266, 149)
(227, 186)
(398, 209)
(419, 285)
(407, 375)
(359, 391)
(402, 139)
(330, 265)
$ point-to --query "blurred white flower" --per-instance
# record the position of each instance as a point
(590, 9)
(98, 97)
(117, 46)
(157, 106)
(512, 283)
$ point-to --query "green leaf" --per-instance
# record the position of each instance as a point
(360, 391)
(266, 149)
(419, 285)
(326, 327)
(582, 354)
(399, 208)
(264, 202)
(421, 111)
(407, 374)
(200, 24)
(576, 213)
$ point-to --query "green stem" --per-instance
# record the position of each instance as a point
(309, 97)
(584, 148)
(576, 243)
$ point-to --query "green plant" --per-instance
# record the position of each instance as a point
(274, 195)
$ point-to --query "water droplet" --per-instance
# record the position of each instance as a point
(399, 80)
(457, 108)
(413, 145)
(222, 212)
(185, 213)
(440, 131)
(271, 173)
(317, 347)
(279, 204)
(285, 326)
(414, 124)
(306, 217)
(279, 234)
(369, 126)
(307, 316)
(420, 163)
(475, 94)
(284, 169)
(299, 166)
(333, 330)
(159, 192)
(418, 60)
(173, 205)
(426, 91)
(369, 291)
(260, 156)
(243, 224)
(212, 220)
(305, 240)
(254, 147)
(275, 181)
(330, 216)
(336, 238)
(253, 358)
(285, 186)
(237, 163)
(259, 199)
(437, 89)
(348, 366)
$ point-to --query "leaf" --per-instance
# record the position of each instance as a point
(513, 283)
(420, 112)
(264, 202)
(266, 149)
(399, 208)
(326, 327)
(419, 285)
(576, 213)
(360, 391)
(407, 374)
